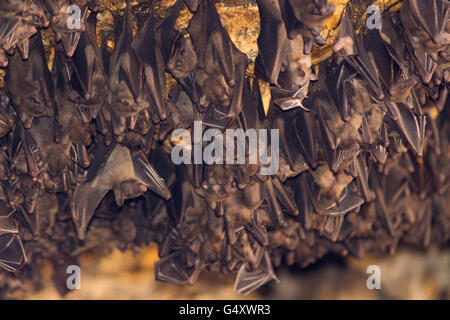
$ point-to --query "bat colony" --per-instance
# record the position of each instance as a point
(364, 159)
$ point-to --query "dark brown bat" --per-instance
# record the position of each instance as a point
(6, 119)
(306, 17)
(152, 45)
(114, 169)
(351, 47)
(173, 269)
(12, 252)
(35, 81)
(221, 66)
(10, 8)
(88, 78)
(247, 281)
(7, 27)
(67, 29)
(126, 97)
(281, 61)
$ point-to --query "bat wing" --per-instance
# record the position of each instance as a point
(248, 281)
(360, 61)
(173, 269)
(271, 41)
(149, 54)
(124, 63)
(12, 252)
(304, 130)
(431, 15)
(149, 176)
(84, 202)
(412, 127)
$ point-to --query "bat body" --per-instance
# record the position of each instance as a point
(35, 79)
(126, 97)
(114, 169)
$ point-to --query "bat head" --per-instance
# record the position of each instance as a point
(183, 57)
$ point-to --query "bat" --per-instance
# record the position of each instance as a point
(71, 124)
(88, 79)
(362, 176)
(35, 80)
(411, 126)
(305, 17)
(173, 269)
(247, 281)
(113, 169)
(152, 46)
(12, 252)
(284, 121)
(221, 66)
(10, 8)
(281, 60)
(6, 119)
(387, 51)
(60, 16)
(351, 47)
(126, 97)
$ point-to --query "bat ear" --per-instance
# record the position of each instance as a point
(248, 281)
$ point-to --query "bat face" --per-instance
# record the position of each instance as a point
(295, 70)
(306, 18)
(183, 59)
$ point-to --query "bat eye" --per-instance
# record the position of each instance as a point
(182, 52)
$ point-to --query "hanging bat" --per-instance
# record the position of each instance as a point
(32, 93)
(424, 24)
(247, 281)
(6, 119)
(173, 269)
(72, 124)
(387, 51)
(66, 25)
(281, 61)
(12, 252)
(305, 17)
(152, 45)
(125, 98)
(113, 169)
(411, 126)
(88, 78)
(285, 122)
(221, 66)
(351, 47)
(11, 8)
